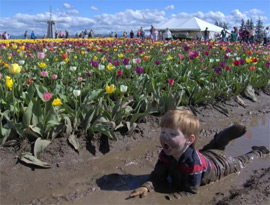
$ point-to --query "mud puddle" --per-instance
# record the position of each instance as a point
(139, 162)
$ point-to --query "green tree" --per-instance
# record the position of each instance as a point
(242, 24)
(251, 24)
(259, 31)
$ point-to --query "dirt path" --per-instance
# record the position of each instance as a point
(93, 177)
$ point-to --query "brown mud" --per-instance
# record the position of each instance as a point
(106, 172)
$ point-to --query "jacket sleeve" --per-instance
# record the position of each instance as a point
(158, 176)
(187, 191)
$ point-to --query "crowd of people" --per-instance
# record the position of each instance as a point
(243, 35)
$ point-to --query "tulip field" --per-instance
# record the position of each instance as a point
(75, 87)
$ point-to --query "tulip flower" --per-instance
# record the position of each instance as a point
(15, 69)
(119, 73)
(123, 88)
(110, 89)
(80, 79)
(41, 55)
(171, 81)
(76, 93)
(101, 67)
(110, 66)
(47, 96)
(42, 65)
(54, 76)
(72, 68)
(56, 102)
(44, 73)
(21, 62)
(9, 82)
(64, 56)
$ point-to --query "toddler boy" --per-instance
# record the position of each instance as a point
(186, 167)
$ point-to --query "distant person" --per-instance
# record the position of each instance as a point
(66, 34)
(56, 34)
(206, 34)
(152, 30)
(131, 34)
(167, 34)
(246, 35)
(25, 35)
(142, 33)
(61, 34)
(5, 35)
(236, 33)
(233, 36)
(33, 36)
(138, 33)
(223, 34)
(125, 34)
(266, 35)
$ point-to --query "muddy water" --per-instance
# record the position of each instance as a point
(137, 163)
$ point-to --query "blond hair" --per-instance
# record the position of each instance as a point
(183, 120)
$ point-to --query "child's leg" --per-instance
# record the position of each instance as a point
(255, 153)
(223, 138)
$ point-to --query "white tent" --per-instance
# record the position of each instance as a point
(192, 26)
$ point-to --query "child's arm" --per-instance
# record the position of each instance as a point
(158, 175)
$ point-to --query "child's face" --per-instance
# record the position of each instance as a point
(173, 141)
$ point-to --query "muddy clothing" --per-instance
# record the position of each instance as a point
(193, 169)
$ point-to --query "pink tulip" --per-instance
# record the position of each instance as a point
(44, 73)
(54, 76)
(80, 79)
(41, 55)
(47, 96)
(181, 56)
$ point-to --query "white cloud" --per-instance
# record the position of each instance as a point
(94, 8)
(73, 11)
(254, 11)
(170, 7)
(67, 6)
(122, 21)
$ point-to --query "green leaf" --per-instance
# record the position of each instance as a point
(73, 140)
(27, 115)
(28, 158)
(40, 146)
(5, 132)
(40, 90)
(68, 125)
(37, 113)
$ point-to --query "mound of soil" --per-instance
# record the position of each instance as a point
(105, 172)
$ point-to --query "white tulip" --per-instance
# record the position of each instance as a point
(101, 67)
(72, 68)
(123, 88)
(211, 60)
(76, 93)
(128, 67)
(21, 62)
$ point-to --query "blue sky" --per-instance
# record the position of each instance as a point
(104, 16)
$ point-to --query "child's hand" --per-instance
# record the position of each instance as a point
(142, 192)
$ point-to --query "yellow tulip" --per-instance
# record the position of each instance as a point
(110, 66)
(120, 55)
(110, 89)
(248, 60)
(15, 69)
(56, 102)
(95, 58)
(42, 65)
(9, 82)
(14, 46)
